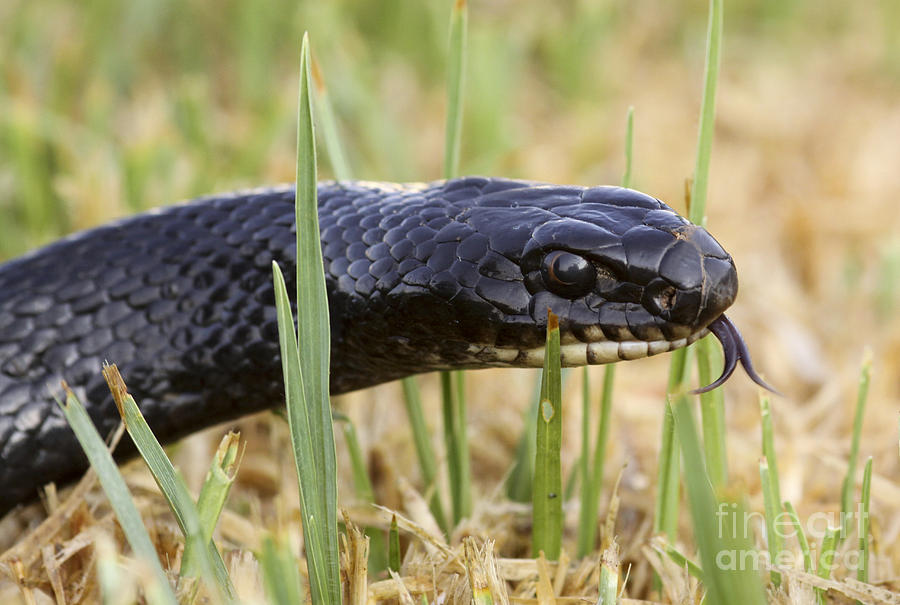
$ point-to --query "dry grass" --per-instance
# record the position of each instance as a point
(804, 194)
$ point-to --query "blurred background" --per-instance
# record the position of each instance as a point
(109, 107)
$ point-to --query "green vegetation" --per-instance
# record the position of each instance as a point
(157, 585)
(453, 390)
(848, 501)
(201, 557)
(547, 523)
(111, 108)
(305, 356)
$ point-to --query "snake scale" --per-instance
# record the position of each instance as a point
(447, 275)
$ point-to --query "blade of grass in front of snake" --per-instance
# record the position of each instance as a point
(157, 584)
(826, 562)
(801, 536)
(453, 387)
(219, 479)
(305, 359)
(547, 519)
(711, 522)
(201, 557)
(849, 484)
(741, 585)
(862, 573)
(708, 358)
(660, 545)
(771, 486)
(280, 573)
(772, 509)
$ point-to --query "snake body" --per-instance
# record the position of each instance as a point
(454, 274)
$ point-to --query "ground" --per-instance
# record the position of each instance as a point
(108, 109)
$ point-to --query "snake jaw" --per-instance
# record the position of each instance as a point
(735, 350)
(576, 354)
(611, 351)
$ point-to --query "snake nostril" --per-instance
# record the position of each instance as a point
(671, 303)
(666, 298)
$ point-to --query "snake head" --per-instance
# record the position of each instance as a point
(462, 275)
(627, 276)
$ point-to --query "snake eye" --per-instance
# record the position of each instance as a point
(568, 274)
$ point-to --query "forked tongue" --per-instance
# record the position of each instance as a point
(735, 351)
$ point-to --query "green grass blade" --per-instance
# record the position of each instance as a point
(629, 147)
(702, 501)
(219, 479)
(394, 559)
(697, 214)
(305, 366)
(849, 483)
(456, 80)
(603, 426)
(449, 417)
(771, 486)
(723, 584)
(101, 460)
(281, 575)
(772, 505)
(678, 558)
(454, 414)
(308, 472)
(697, 210)
(424, 450)
(521, 475)
(827, 553)
(454, 403)
(768, 444)
(665, 518)
(366, 493)
(801, 537)
(862, 574)
(609, 578)
(587, 533)
(313, 327)
(330, 133)
(708, 357)
(668, 476)
(462, 446)
(319, 554)
(201, 558)
(547, 512)
(712, 410)
(361, 481)
(572, 481)
(587, 519)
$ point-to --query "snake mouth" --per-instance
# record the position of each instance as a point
(610, 351)
(580, 353)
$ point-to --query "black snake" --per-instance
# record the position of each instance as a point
(455, 274)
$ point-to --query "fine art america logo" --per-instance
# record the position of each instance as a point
(735, 522)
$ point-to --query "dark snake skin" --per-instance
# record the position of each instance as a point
(420, 277)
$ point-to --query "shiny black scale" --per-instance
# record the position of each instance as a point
(420, 277)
